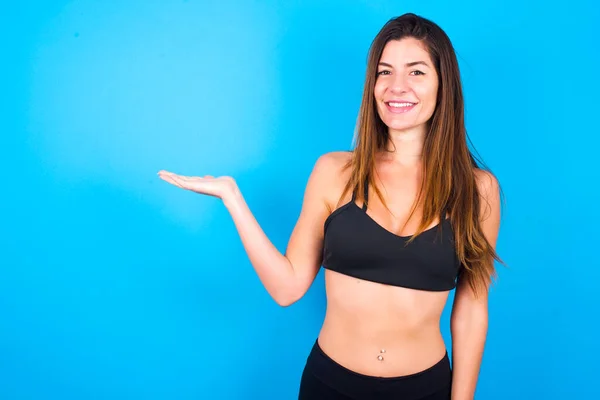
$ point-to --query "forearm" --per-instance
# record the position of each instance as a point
(272, 267)
(468, 342)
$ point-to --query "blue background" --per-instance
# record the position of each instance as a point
(116, 285)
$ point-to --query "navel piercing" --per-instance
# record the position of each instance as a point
(380, 357)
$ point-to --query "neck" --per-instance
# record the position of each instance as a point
(406, 146)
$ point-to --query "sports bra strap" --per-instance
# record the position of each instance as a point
(366, 195)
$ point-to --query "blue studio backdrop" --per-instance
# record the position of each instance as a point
(116, 285)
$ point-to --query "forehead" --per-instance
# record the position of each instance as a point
(405, 50)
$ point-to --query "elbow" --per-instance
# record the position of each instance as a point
(285, 302)
(461, 323)
(287, 296)
(286, 299)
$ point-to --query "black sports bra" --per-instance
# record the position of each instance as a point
(356, 245)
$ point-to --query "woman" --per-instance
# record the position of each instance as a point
(397, 223)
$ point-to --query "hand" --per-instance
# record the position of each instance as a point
(221, 187)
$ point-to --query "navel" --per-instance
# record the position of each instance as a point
(380, 356)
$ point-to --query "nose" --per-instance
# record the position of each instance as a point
(399, 84)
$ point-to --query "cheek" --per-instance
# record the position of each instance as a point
(427, 93)
(378, 91)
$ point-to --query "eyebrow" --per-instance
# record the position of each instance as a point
(410, 64)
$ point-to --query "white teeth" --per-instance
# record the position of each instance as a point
(401, 104)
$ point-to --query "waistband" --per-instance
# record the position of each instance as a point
(357, 385)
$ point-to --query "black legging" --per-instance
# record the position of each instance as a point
(325, 379)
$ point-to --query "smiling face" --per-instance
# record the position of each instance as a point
(406, 86)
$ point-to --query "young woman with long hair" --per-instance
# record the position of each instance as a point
(397, 223)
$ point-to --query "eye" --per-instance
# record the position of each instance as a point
(384, 72)
(421, 73)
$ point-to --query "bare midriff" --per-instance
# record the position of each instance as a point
(381, 330)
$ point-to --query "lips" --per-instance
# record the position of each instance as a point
(400, 106)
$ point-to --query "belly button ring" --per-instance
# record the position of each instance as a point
(380, 357)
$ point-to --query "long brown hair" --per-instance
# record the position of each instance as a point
(449, 182)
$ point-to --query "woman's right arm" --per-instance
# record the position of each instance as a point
(286, 277)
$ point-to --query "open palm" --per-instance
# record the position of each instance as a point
(209, 185)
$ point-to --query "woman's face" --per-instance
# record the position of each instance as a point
(406, 86)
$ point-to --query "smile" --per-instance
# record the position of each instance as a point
(399, 108)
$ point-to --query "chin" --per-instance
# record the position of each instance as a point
(401, 126)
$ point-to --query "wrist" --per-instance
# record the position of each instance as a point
(233, 198)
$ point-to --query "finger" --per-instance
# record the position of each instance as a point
(172, 176)
(172, 181)
(189, 178)
(179, 181)
(180, 177)
(165, 175)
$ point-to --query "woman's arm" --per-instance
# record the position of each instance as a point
(286, 277)
(469, 319)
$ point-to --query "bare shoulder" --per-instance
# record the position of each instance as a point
(487, 183)
(333, 175)
(330, 166)
(334, 161)
(489, 190)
